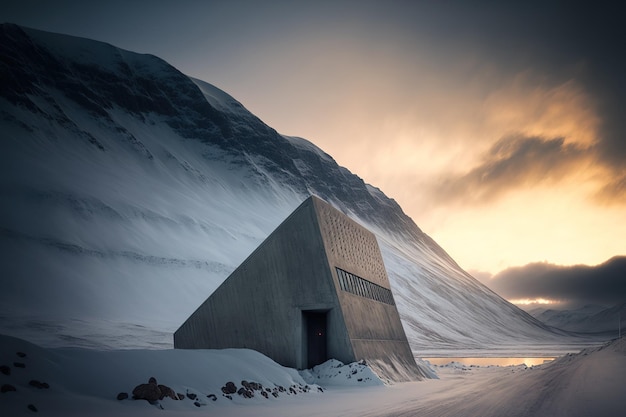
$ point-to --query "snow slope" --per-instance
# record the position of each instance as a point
(130, 191)
(87, 382)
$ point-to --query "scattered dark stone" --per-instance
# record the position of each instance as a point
(31, 407)
(167, 392)
(265, 394)
(245, 393)
(19, 365)
(180, 396)
(275, 394)
(227, 396)
(122, 396)
(252, 386)
(360, 380)
(7, 388)
(229, 388)
(212, 397)
(37, 384)
(192, 396)
(292, 391)
(354, 371)
(197, 404)
(320, 389)
(5, 370)
(281, 388)
(20, 354)
(268, 390)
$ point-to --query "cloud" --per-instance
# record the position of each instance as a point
(614, 191)
(512, 162)
(572, 285)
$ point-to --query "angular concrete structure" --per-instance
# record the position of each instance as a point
(315, 289)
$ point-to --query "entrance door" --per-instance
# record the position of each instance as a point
(315, 325)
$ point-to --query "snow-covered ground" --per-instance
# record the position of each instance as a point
(87, 382)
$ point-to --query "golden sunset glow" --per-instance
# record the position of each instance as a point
(545, 211)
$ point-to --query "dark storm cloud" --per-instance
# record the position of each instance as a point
(513, 161)
(574, 285)
(561, 41)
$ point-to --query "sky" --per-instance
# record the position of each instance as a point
(498, 126)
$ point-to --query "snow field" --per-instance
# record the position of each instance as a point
(86, 382)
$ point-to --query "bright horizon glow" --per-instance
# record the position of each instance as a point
(535, 301)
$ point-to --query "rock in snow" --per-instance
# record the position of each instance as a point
(149, 392)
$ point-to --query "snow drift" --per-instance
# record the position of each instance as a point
(130, 192)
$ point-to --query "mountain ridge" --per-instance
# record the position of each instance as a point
(128, 179)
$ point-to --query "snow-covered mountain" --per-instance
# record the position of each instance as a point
(586, 319)
(130, 192)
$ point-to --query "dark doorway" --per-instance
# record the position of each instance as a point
(315, 328)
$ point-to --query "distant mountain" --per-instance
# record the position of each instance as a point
(587, 319)
(130, 191)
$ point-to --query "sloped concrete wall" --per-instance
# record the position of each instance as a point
(260, 305)
(374, 328)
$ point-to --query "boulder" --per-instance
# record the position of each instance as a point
(148, 392)
(38, 384)
(229, 388)
(7, 388)
(167, 392)
(5, 370)
(122, 396)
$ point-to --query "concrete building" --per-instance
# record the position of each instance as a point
(315, 289)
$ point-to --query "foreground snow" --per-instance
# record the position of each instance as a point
(86, 382)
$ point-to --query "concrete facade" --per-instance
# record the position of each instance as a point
(318, 269)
